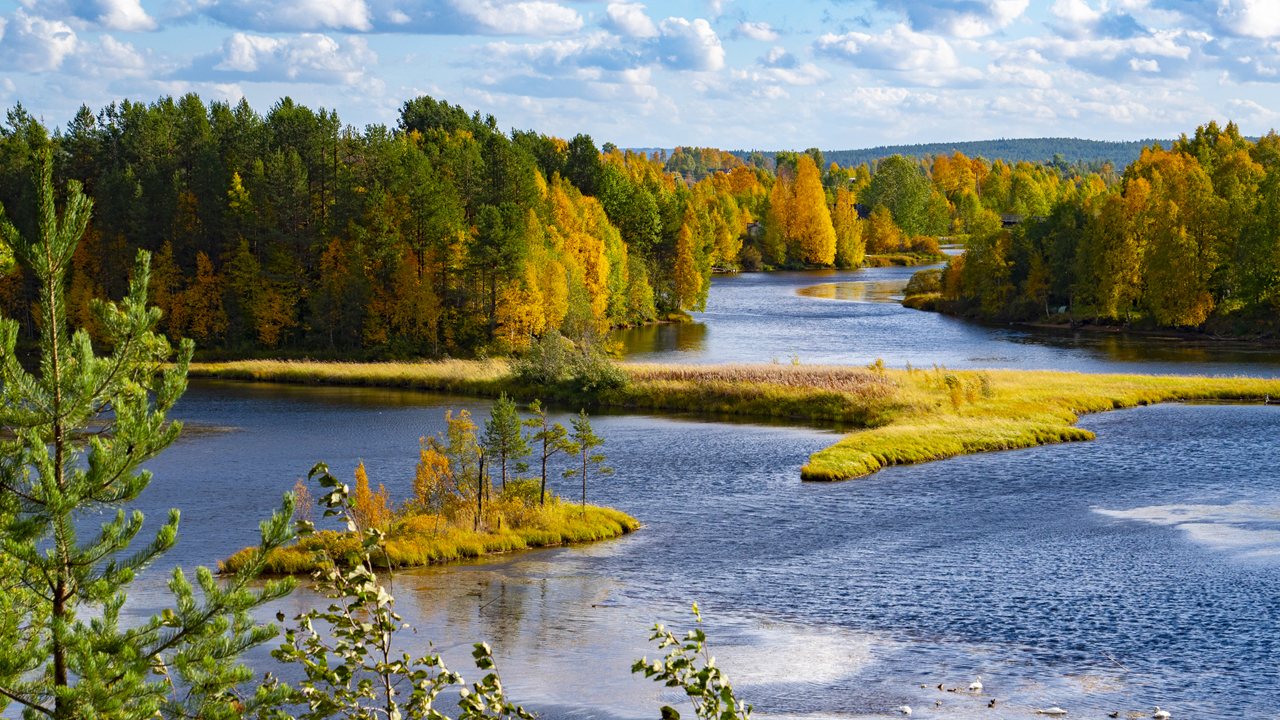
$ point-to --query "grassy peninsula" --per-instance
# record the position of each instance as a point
(908, 416)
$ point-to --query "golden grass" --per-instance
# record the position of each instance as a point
(460, 376)
(415, 541)
(1015, 409)
(909, 417)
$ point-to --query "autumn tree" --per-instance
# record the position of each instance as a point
(810, 234)
(370, 509)
(850, 244)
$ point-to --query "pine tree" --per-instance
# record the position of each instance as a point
(503, 441)
(583, 440)
(81, 428)
(553, 439)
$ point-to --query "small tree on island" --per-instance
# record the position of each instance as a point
(503, 442)
(553, 439)
(582, 441)
(79, 431)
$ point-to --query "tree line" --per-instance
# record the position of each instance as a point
(1187, 235)
(288, 232)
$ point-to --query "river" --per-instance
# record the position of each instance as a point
(1140, 569)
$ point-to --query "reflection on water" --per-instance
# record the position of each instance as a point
(868, 291)
(753, 317)
(1151, 544)
(676, 338)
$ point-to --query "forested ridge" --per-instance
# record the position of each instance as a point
(1188, 236)
(1010, 150)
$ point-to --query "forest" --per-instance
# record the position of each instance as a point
(1189, 235)
(1010, 150)
(290, 234)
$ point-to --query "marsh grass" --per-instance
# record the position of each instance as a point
(423, 539)
(947, 413)
(472, 377)
(910, 416)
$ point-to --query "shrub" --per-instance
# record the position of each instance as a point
(925, 245)
(749, 259)
(555, 363)
(925, 282)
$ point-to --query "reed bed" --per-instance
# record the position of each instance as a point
(422, 540)
(836, 378)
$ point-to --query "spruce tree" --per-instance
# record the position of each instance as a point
(77, 431)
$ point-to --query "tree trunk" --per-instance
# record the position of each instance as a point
(479, 494)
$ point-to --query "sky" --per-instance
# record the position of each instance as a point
(734, 74)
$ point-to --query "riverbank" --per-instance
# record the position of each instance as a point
(425, 539)
(907, 416)
(1264, 331)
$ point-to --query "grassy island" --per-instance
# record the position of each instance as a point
(424, 539)
(907, 416)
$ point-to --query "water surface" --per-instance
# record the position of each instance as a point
(1157, 545)
(758, 317)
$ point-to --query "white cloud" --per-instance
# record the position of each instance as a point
(1148, 65)
(124, 15)
(537, 18)
(690, 45)
(1014, 74)
(928, 59)
(761, 31)
(280, 15)
(308, 58)
(629, 19)
(959, 18)
(34, 44)
(1240, 18)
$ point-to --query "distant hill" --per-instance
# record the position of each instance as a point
(1009, 150)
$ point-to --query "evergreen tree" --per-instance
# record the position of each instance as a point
(552, 438)
(503, 441)
(81, 429)
(582, 441)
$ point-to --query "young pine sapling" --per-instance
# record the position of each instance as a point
(582, 440)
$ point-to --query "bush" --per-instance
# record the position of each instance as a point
(925, 282)
(555, 363)
(749, 259)
(925, 245)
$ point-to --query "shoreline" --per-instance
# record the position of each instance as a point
(933, 302)
(410, 544)
(902, 416)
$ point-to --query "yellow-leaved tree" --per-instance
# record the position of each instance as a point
(372, 509)
(850, 245)
(883, 235)
(810, 235)
(688, 280)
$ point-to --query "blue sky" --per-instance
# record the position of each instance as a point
(835, 74)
